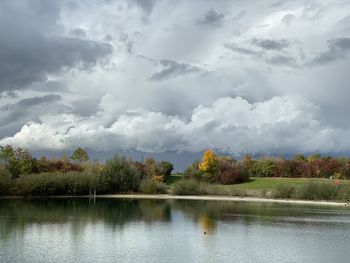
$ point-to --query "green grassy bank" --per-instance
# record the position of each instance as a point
(290, 188)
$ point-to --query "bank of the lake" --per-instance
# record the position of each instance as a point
(189, 197)
(226, 198)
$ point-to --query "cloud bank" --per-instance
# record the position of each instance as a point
(182, 76)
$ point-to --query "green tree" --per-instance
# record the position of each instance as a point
(120, 175)
(22, 163)
(80, 155)
(165, 169)
(6, 153)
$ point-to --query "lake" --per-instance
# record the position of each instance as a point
(112, 230)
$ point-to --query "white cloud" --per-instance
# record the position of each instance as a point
(231, 124)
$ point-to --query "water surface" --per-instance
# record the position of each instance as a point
(68, 230)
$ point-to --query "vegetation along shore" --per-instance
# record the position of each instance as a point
(313, 177)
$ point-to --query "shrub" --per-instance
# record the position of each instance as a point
(319, 191)
(151, 168)
(193, 172)
(284, 191)
(63, 165)
(192, 187)
(158, 178)
(232, 175)
(48, 184)
(120, 175)
(344, 193)
(4, 181)
(141, 168)
(149, 186)
(186, 187)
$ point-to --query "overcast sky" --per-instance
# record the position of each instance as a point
(163, 75)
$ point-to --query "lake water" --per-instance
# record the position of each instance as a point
(170, 231)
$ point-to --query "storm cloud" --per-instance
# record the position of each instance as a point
(212, 18)
(171, 69)
(179, 76)
(35, 46)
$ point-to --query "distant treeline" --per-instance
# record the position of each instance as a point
(23, 174)
(226, 170)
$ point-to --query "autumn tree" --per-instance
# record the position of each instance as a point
(209, 165)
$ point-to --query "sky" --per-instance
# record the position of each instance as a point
(157, 76)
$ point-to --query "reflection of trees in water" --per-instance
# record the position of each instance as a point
(78, 213)
(209, 213)
(18, 214)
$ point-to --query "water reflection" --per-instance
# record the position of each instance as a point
(17, 214)
(74, 230)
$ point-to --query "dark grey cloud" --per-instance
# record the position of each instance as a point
(78, 33)
(86, 107)
(270, 54)
(12, 113)
(243, 50)
(271, 44)
(212, 18)
(146, 5)
(173, 69)
(35, 46)
(34, 101)
(337, 49)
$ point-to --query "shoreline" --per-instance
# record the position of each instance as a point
(196, 197)
(225, 198)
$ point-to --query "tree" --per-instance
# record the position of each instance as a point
(120, 175)
(165, 169)
(6, 153)
(22, 163)
(209, 162)
(209, 165)
(151, 168)
(80, 155)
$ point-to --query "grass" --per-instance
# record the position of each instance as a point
(192, 187)
(261, 187)
(269, 184)
(173, 179)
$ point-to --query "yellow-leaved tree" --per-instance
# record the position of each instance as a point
(209, 164)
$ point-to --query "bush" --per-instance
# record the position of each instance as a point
(4, 182)
(192, 187)
(232, 175)
(120, 175)
(48, 184)
(186, 187)
(319, 191)
(284, 191)
(149, 186)
(193, 172)
(344, 193)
